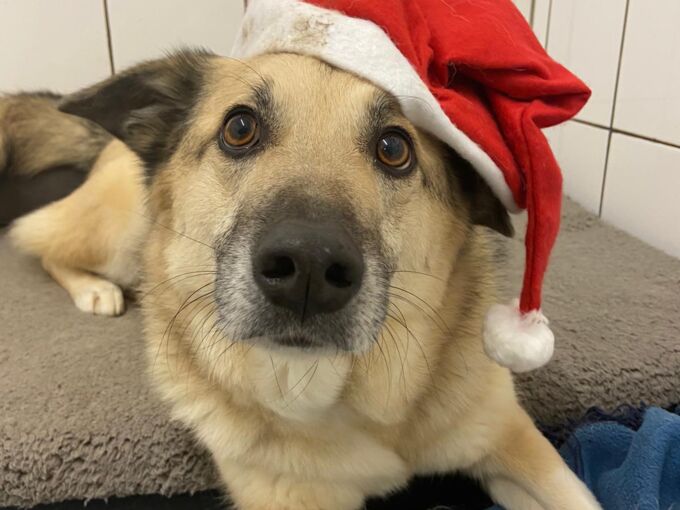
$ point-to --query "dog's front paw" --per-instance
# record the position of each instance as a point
(100, 297)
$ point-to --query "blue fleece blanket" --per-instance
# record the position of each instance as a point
(629, 469)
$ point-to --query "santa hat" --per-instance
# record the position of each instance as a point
(471, 73)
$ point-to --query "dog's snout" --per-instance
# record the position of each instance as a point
(308, 267)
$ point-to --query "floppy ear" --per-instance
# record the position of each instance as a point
(147, 105)
(485, 208)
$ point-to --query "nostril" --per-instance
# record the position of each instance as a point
(280, 267)
(338, 276)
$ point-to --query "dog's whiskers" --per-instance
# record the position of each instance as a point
(309, 381)
(170, 229)
(276, 377)
(402, 359)
(312, 366)
(174, 280)
(441, 324)
(420, 273)
(409, 332)
(165, 338)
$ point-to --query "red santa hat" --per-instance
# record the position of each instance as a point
(473, 74)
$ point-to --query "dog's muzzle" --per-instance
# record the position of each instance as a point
(308, 267)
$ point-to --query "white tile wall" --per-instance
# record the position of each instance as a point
(541, 17)
(47, 44)
(525, 7)
(643, 186)
(648, 101)
(581, 151)
(143, 29)
(585, 36)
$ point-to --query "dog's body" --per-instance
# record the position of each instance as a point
(312, 410)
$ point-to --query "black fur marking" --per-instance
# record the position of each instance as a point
(111, 105)
(149, 107)
(485, 208)
(294, 202)
(20, 195)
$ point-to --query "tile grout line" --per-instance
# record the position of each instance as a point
(589, 123)
(627, 133)
(532, 13)
(611, 120)
(108, 36)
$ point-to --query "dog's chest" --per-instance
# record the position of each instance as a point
(308, 396)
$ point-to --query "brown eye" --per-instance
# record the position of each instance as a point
(394, 151)
(240, 131)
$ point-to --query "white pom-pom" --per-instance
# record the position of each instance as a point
(521, 342)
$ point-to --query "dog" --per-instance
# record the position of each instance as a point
(314, 272)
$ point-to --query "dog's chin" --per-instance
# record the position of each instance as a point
(302, 343)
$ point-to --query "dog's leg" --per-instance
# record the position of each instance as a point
(524, 472)
(90, 293)
(256, 489)
(511, 495)
(96, 230)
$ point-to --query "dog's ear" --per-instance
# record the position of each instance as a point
(147, 105)
(485, 208)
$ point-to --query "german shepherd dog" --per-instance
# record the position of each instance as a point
(314, 270)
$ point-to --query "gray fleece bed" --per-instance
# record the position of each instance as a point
(79, 421)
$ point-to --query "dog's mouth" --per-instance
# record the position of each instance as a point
(300, 342)
(276, 330)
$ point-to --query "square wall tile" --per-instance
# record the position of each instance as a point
(525, 7)
(585, 36)
(61, 46)
(641, 192)
(142, 30)
(581, 151)
(648, 100)
(540, 21)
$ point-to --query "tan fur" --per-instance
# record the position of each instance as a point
(96, 229)
(303, 431)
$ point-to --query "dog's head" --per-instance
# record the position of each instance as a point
(302, 187)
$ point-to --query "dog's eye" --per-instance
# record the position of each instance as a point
(241, 131)
(395, 152)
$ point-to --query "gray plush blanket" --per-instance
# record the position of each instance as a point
(78, 419)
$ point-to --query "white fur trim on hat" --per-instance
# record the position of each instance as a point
(363, 48)
(521, 342)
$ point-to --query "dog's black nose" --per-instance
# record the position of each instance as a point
(307, 267)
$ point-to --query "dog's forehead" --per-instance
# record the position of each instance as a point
(299, 85)
(296, 75)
